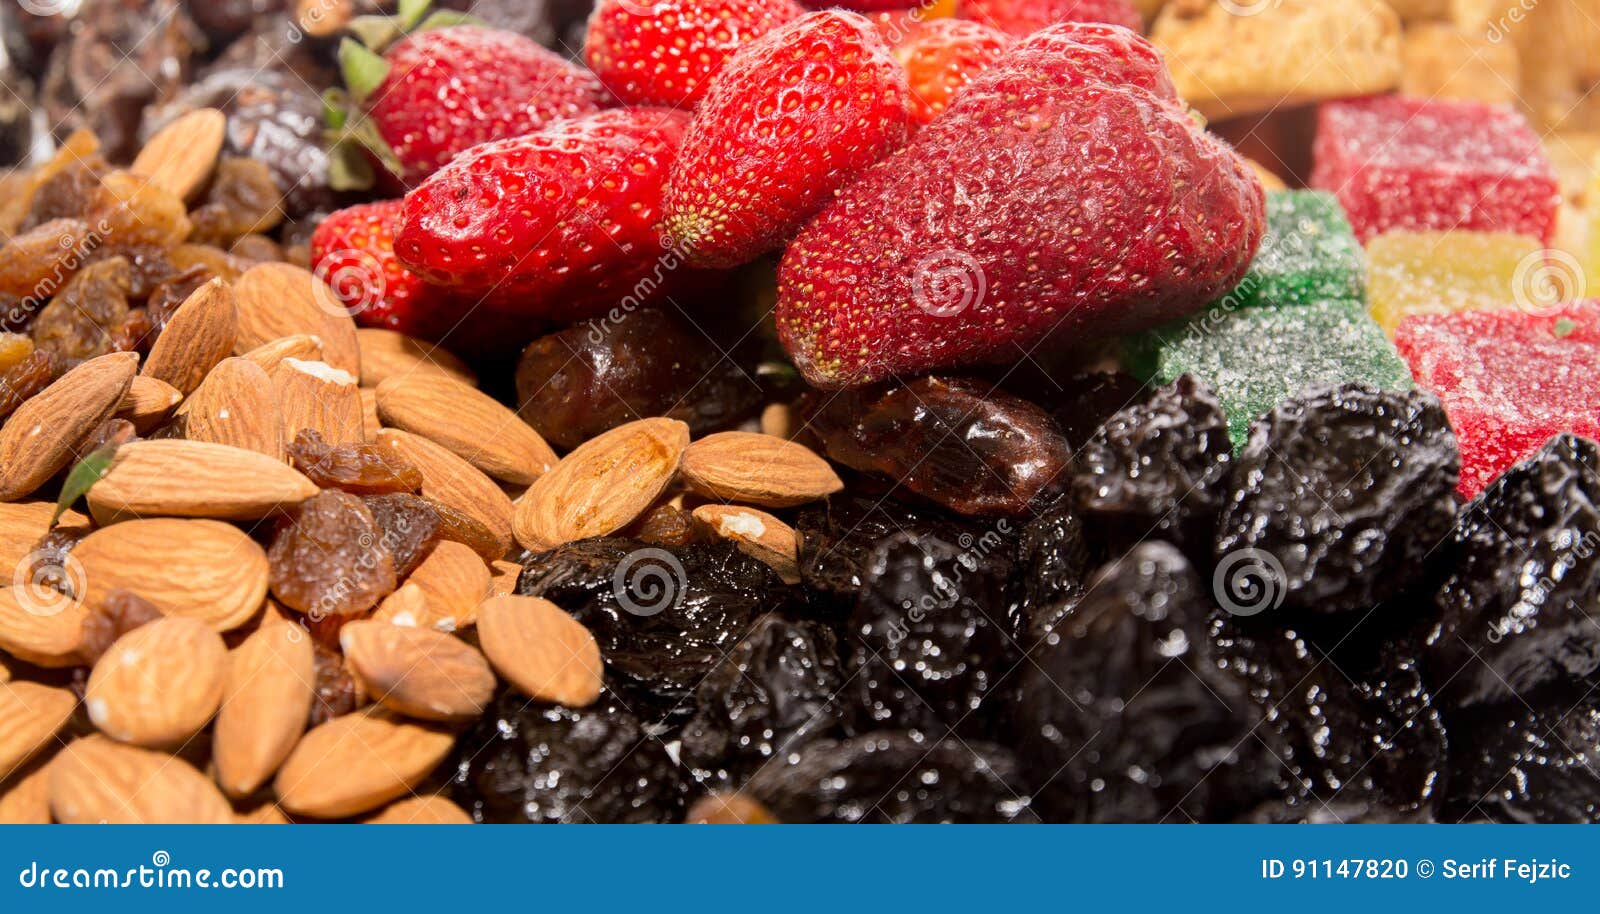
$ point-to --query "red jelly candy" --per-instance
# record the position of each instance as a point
(1405, 164)
(1510, 380)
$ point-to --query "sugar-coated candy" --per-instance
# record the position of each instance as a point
(1308, 254)
(1440, 272)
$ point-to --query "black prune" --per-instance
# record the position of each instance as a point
(1123, 714)
(1348, 490)
(956, 442)
(1518, 608)
(1155, 469)
(778, 688)
(541, 764)
(663, 617)
(1085, 402)
(897, 778)
(1528, 761)
(1053, 564)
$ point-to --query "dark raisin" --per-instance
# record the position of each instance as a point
(778, 688)
(1520, 605)
(597, 375)
(80, 322)
(1155, 470)
(120, 612)
(897, 778)
(243, 198)
(1531, 760)
(336, 693)
(952, 441)
(68, 194)
(330, 558)
(24, 379)
(149, 266)
(1124, 715)
(412, 525)
(168, 296)
(534, 763)
(364, 469)
(664, 525)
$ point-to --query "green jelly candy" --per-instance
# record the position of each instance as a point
(1308, 254)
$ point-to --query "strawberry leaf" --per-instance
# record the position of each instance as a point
(410, 12)
(89, 471)
(364, 70)
(446, 18)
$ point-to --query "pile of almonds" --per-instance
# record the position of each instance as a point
(289, 585)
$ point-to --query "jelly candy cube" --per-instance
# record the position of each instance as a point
(1308, 254)
(1405, 164)
(1439, 272)
(1511, 380)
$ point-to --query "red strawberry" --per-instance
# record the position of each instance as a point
(1048, 203)
(446, 90)
(564, 223)
(666, 52)
(895, 25)
(353, 252)
(942, 56)
(793, 116)
(1024, 17)
(863, 6)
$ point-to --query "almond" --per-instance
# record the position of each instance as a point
(195, 479)
(779, 421)
(603, 485)
(729, 809)
(199, 334)
(470, 423)
(388, 354)
(159, 684)
(451, 481)
(418, 672)
(41, 626)
(503, 577)
(756, 534)
(303, 346)
(30, 717)
(98, 780)
(265, 704)
(198, 569)
(181, 156)
(237, 406)
(757, 469)
(264, 814)
(317, 396)
(22, 524)
(370, 423)
(452, 580)
(26, 800)
(279, 299)
(357, 763)
(41, 437)
(543, 652)
(148, 403)
(425, 810)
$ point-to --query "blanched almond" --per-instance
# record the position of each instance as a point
(199, 334)
(159, 684)
(470, 423)
(148, 403)
(265, 703)
(451, 481)
(603, 485)
(236, 405)
(387, 354)
(416, 671)
(357, 763)
(176, 478)
(198, 569)
(40, 626)
(757, 469)
(30, 717)
(41, 438)
(539, 649)
(279, 299)
(756, 534)
(180, 156)
(317, 396)
(96, 779)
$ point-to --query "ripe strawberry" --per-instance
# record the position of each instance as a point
(666, 53)
(1049, 202)
(793, 116)
(1024, 17)
(445, 90)
(942, 56)
(352, 251)
(564, 223)
(895, 25)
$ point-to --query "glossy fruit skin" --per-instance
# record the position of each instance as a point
(1024, 17)
(667, 52)
(1528, 761)
(941, 56)
(792, 117)
(453, 88)
(352, 251)
(530, 223)
(963, 247)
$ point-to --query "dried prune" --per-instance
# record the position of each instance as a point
(120, 612)
(364, 469)
(224, 20)
(1518, 606)
(1086, 401)
(895, 777)
(80, 322)
(776, 689)
(1125, 712)
(1053, 564)
(1348, 490)
(932, 636)
(663, 617)
(950, 440)
(535, 763)
(592, 377)
(243, 198)
(1528, 761)
(1155, 469)
(331, 557)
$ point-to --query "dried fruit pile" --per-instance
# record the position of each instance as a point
(797, 412)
